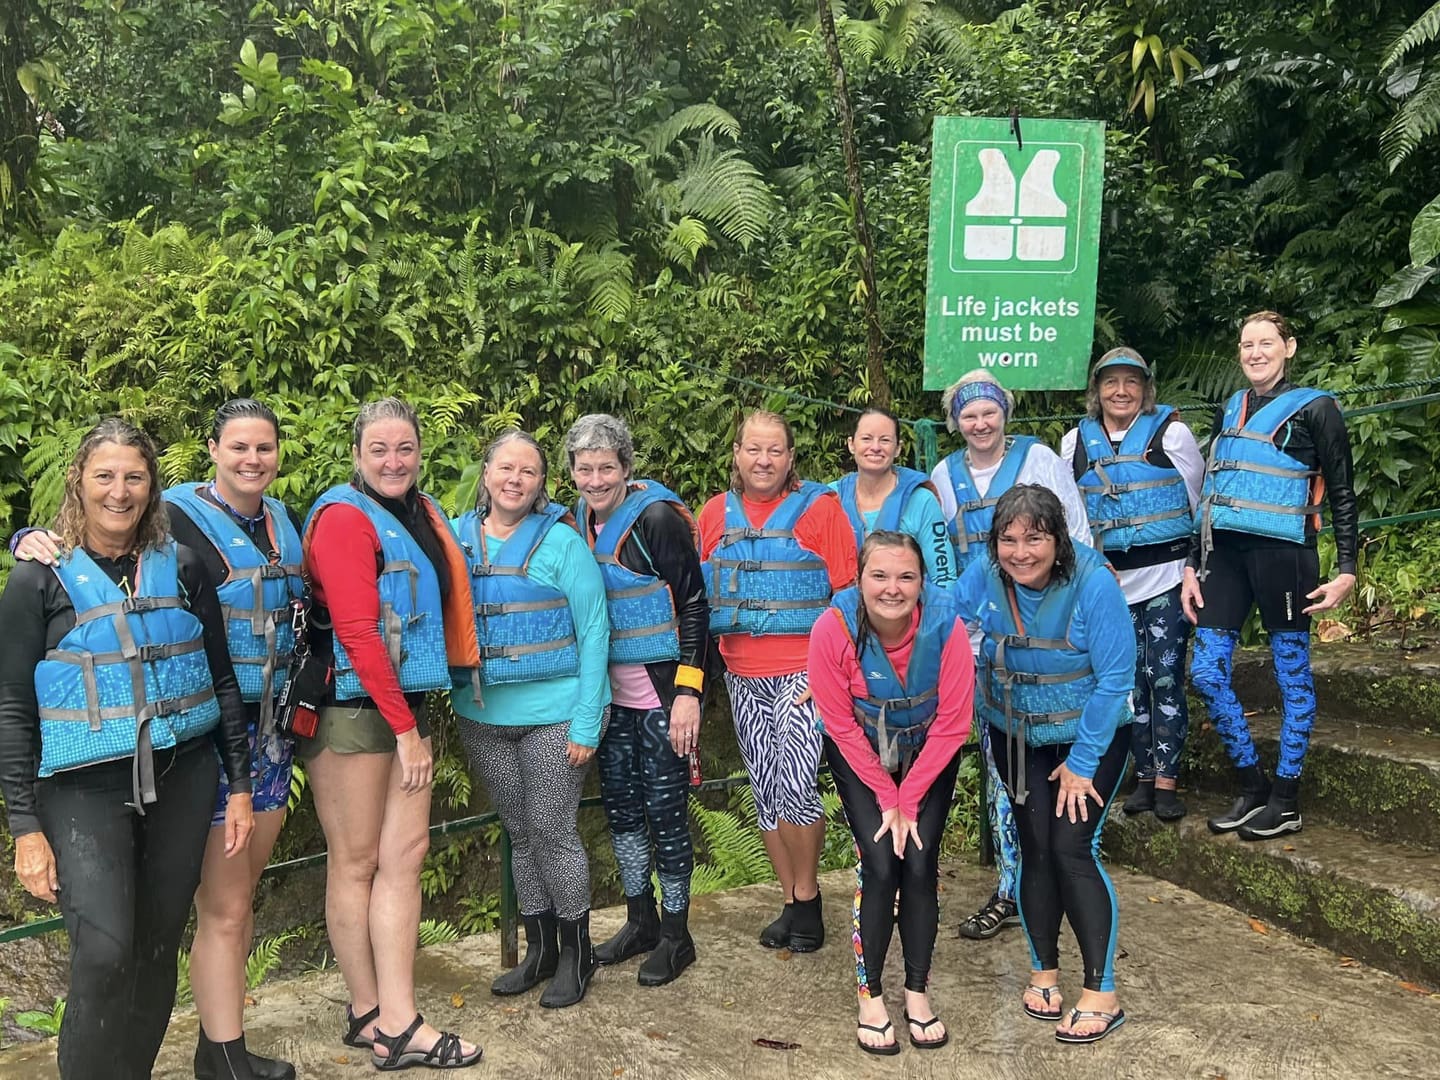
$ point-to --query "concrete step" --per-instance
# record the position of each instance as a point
(1375, 901)
(1360, 683)
(1384, 782)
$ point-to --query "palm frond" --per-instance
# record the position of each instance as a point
(1421, 32)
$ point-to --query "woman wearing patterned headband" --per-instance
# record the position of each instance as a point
(970, 481)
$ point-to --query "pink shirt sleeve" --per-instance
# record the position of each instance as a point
(951, 726)
(834, 673)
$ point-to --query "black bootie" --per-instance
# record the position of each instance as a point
(639, 935)
(542, 954)
(777, 934)
(231, 1061)
(807, 932)
(577, 964)
(1254, 790)
(1281, 813)
(674, 953)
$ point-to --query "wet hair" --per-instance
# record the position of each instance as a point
(1040, 507)
(242, 409)
(877, 410)
(154, 523)
(598, 432)
(1092, 391)
(482, 497)
(880, 538)
(761, 416)
(947, 402)
(1281, 323)
(387, 408)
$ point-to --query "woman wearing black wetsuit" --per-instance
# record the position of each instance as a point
(117, 822)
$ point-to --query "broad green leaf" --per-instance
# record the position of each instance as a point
(1425, 233)
(247, 53)
(1403, 285)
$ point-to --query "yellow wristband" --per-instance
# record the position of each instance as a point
(691, 677)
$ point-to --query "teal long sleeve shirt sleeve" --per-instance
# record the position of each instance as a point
(563, 561)
(923, 519)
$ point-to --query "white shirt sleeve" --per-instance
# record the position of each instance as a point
(1067, 448)
(1043, 466)
(1184, 453)
(944, 490)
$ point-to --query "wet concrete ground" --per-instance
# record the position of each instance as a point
(1206, 995)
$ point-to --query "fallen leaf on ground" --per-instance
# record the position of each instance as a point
(249, 1000)
(511, 1010)
(1331, 630)
(657, 1035)
(776, 1044)
(1153, 899)
(1349, 961)
(619, 1070)
(729, 1003)
(1315, 1017)
(1416, 988)
(1288, 847)
(1258, 926)
(341, 1059)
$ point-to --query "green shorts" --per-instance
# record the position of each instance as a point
(348, 730)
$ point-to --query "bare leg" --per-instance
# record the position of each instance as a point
(802, 844)
(779, 853)
(225, 926)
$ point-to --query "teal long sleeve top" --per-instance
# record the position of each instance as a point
(565, 562)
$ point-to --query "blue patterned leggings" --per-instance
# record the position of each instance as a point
(1162, 717)
(1005, 837)
(779, 745)
(644, 784)
(1211, 672)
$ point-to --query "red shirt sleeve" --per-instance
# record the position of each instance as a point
(341, 561)
(834, 679)
(951, 726)
(825, 530)
(711, 524)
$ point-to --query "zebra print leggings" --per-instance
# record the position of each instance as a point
(779, 745)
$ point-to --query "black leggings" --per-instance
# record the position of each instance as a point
(1060, 871)
(1245, 572)
(880, 875)
(126, 883)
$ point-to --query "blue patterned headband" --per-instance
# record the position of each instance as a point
(978, 391)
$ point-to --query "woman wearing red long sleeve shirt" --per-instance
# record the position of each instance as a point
(384, 562)
(893, 743)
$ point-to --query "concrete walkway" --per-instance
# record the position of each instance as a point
(1206, 995)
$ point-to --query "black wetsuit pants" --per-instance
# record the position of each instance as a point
(880, 875)
(1060, 871)
(126, 883)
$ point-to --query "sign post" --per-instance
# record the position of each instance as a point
(1014, 247)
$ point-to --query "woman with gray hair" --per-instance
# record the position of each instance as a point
(645, 542)
(970, 482)
(534, 711)
(1139, 470)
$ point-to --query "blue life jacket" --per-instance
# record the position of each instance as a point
(412, 618)
(644, 628)
(130, 677)
(256, 595)
(970, 527)
(761, 581)
(526, 630)
(895, 714)
(907, 482)
(1251, 485)
(1130, 502)
(1034, 684)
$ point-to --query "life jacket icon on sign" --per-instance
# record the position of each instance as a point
(1020, 236)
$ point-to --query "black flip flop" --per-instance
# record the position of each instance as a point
(884, 1049)
(926, 1025)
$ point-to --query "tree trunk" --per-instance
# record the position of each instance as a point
(875, 343)
(19, 129)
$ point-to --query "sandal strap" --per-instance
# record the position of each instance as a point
(357, 1022)
(993, 913)
(446, 1051)
(1074, 1016)
(1044, 991)
(878, 1029)
(923, 1025)
(397, 1044)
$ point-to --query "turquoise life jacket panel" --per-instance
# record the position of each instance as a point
(256, 595)
(907, 482)
(412, 620)
(1251, 485)
(970, 527)
(526, 630)
(130, 677)
(644, 628)
(760, 580)
(1130, 502)
(894, 714)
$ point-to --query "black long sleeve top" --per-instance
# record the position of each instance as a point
(1317, 437)
(661, 544)
(37, 613)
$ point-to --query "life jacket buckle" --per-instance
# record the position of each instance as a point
(136, 605)
(148, 654)
(752, 566)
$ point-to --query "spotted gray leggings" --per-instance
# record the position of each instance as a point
(536, 792)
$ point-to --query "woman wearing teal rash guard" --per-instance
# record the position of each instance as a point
(880, 494)
(1056, 657)
(538, 705)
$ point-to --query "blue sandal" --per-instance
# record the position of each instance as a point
(1112, 1021)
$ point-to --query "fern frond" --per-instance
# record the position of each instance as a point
(437, 932)
(687, 238)
(706, 117)
(610, 276)
(1421, 32)
(1417, 118)
(265, 958)
(723, 187)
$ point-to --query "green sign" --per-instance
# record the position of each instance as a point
(1014, 243)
